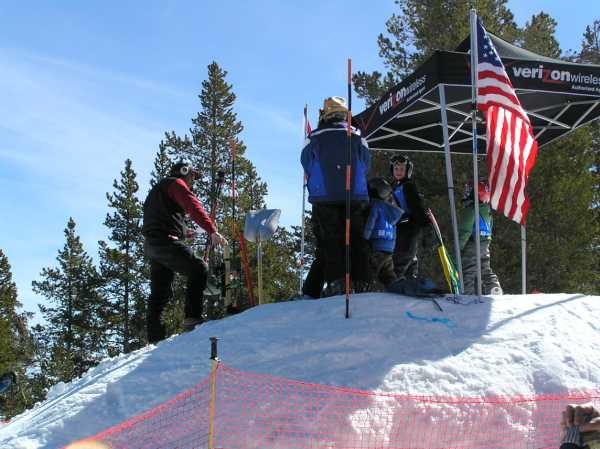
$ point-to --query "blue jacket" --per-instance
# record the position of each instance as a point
(408, 199)
(324, 162)
(381, 226)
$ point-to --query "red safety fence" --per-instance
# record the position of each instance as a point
(259, 411)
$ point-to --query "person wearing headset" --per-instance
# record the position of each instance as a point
(410, 227)
(164, 230)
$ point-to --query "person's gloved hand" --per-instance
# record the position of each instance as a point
(217, 239)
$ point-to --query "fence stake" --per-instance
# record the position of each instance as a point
(213, 391)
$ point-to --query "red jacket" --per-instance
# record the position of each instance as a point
(165, 208)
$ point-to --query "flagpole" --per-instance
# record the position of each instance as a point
(348, 178)
(523, 260)
(303, 209)
(474, 53)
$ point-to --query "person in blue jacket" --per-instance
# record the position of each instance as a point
(467, 240)
(380, 230)
(409, 229)
(324, 162)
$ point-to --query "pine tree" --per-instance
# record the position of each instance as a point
(16, 343)
(412, 35)
(75, 333)
(8, 305)
(538, 36)
(215, 129)
(179, 148)
(162, 164)
(561, 221)
(124, 272)
(590, 54)
(590, 46)
(280, 266)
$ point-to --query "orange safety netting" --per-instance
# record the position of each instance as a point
(259, 411)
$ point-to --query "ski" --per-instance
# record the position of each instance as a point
(433, 300)
(450, 271)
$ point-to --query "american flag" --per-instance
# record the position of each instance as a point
(511, 145)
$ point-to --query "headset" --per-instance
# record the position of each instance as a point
(181, 168)
(184, 170)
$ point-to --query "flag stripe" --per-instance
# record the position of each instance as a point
(511, 146)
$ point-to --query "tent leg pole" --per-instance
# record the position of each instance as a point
(474, 52)
(450, 179)
(523, 260)
(259, 270)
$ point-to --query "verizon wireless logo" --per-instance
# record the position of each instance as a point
(553, 76)
(404, 94)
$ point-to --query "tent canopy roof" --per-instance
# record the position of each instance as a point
(558, 97)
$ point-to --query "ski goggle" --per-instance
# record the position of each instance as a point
(399, 160)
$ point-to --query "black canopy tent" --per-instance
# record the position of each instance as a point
(430, 110)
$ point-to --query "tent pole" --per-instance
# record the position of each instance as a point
(302, 238)
(442, 90)
(523, 260)
(259, 268)
(474, 53)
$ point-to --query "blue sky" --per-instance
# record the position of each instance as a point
(88, 84)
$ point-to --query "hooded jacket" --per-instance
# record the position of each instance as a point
(381, 226)
(324, 162)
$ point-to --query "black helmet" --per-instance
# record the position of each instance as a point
(400, 159)
(379, 188)
(182, 168)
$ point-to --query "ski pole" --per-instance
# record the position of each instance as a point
(213, 212)
(233, 217)
(304, 126)
(348, 177)
(246, 266)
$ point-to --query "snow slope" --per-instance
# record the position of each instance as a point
(505, 345)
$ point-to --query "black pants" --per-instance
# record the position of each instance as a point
(329, 225)
(406, 263)
(315, 279)
(168, 257)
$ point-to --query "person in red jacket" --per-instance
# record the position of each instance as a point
(164, 229)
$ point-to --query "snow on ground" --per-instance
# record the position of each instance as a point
(506, 345)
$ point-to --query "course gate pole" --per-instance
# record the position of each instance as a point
(348, 178)
(213, 391)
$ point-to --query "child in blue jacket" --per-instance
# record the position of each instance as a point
(380, 230)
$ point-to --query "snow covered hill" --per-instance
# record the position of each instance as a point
(503, 346)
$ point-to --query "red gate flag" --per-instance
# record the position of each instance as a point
(511, 144)
(307, 128)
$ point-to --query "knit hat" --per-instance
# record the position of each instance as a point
(333, 106)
